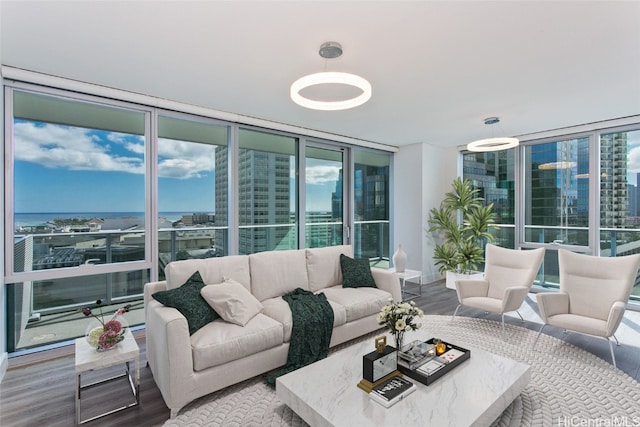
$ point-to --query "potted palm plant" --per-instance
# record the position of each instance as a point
(463, 223)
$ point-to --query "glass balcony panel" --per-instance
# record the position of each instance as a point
(47, 312)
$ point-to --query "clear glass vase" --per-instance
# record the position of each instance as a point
(108, 336)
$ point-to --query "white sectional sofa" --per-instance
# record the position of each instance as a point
(220, 353)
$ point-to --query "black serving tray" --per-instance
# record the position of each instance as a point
(428, 379)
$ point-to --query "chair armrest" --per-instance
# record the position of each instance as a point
(387, 281)
(513, 298)
(552, 303)
(169, 352)
(471, 288)
(615, 317)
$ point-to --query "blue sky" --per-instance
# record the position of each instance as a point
(69, 169)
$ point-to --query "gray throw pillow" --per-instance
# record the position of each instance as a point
(356, 273)
(188, 301)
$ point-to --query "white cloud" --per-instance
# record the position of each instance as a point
(56, 146)
(184, 160)
(634, 160)
(318, 175)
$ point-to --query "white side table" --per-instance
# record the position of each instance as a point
(88, 359)
(404, 277)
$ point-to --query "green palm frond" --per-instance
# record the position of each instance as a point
(462, 242)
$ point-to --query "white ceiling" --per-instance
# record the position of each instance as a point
(437, 68)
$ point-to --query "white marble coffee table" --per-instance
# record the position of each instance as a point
(475, 393)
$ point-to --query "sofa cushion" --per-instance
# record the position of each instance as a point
(188, 301)
(356, 273)
(275, 273)
(220, 342)
(213, 270)
(323, 266)
(278, 309)
(232, 301)
(358, 302)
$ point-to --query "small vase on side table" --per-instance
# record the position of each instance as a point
(400, 260)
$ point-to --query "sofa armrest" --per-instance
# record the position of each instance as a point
(169, 352)
(552, 303)
(387, 281)
(471, 288)
(151, 288)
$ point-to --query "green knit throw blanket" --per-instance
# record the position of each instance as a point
(311, 332)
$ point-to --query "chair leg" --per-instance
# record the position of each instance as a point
(617, 342)
(537, 336)
(613, 356)
(502, 327)
(518, 313)
(455, 312)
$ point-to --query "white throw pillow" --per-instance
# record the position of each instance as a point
(232, 301)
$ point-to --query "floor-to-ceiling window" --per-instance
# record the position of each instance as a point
(324, 203)
(267, 192)
(493, 175)
(86, 176)
(75, 192)
(619, 183)
(192, 170)
(572, 195)
(371, 206)
(557, 199)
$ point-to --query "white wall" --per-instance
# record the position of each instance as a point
(422, 175)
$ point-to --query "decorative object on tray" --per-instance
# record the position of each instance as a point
(416, 353)
(422, 362)
(105, 335)
(399, 259)
(392, 391)
(440, 346)
(400, 317)
(379, 365)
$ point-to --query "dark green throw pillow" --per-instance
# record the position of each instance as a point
(356, 273)
(188, 301)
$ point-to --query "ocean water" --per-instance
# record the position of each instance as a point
(35, 218)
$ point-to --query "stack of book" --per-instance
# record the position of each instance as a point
(392, 391)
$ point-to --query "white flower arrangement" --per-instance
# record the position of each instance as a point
(400, 317)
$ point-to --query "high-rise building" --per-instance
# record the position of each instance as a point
(371, 199)
(263, 201)
(614, 196)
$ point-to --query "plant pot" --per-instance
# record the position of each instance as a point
(452, 276)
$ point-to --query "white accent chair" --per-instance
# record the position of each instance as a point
(593, 295)
(508, 277)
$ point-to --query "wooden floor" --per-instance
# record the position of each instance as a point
(40, 390)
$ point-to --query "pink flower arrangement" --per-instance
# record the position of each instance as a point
(110, 333)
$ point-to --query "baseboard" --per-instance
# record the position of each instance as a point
(4, 363)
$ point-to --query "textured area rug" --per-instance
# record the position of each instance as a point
(568, 387)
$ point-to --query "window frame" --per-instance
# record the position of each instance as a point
(11, 276)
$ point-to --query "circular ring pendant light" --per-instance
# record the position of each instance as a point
(330, 50)
(493, 144)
